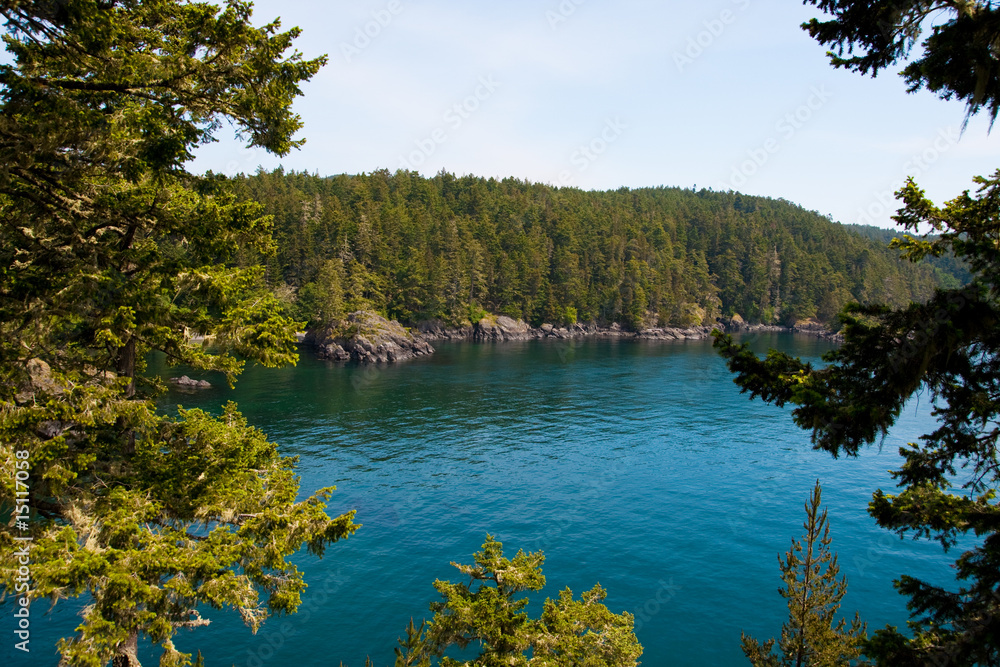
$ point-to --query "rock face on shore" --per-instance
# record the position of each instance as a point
(675, 333)
(436, 330)
(810, 327)
(734, 324)
(366, 337)
(500, 328)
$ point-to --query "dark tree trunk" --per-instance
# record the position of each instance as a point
(127, 653)
(126, 368)
(126, 365)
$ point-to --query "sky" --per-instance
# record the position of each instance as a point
(594, 94)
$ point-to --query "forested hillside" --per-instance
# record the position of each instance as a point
(949, 270)
(452, 247)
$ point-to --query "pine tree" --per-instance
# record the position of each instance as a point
(111, 250)
(947, 346)
(812, 636)
(321, 301)
(958, 60)
(489, 614)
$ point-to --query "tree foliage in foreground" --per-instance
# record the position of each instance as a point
(488, 614)
(111, 250)
(811, 636)
(948, 347)
(960, 59)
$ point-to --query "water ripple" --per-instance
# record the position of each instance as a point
(632, 464)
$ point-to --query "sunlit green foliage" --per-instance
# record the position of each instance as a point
(111, 250)
(488, 614)
(419, 248)
(812, 635)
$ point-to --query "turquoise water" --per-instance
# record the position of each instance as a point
(638, 465)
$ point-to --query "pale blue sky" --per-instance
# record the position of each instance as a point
(728, 94)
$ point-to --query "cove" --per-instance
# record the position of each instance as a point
(636, 464)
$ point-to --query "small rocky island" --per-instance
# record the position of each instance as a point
(189, 383)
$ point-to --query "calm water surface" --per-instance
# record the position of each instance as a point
(638, 465)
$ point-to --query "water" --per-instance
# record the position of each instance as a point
(638, 465)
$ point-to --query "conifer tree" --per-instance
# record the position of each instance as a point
(488, 613)
(812, 635)
(957, 61)
(110, 250)
(948, 347)
(322, 301)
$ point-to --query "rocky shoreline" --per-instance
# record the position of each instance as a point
(367, 337)
(502, 328)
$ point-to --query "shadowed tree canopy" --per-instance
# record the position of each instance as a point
(960, 58)
(947, 348)
(110, 250)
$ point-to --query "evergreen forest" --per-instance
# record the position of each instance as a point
(452, 248)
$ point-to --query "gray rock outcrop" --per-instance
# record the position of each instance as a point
(436, 330)
(366, 337)
(185, 381)
(501, 328)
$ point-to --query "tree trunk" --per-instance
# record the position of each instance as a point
(126, 365)
(127, 653)
(126, 368)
